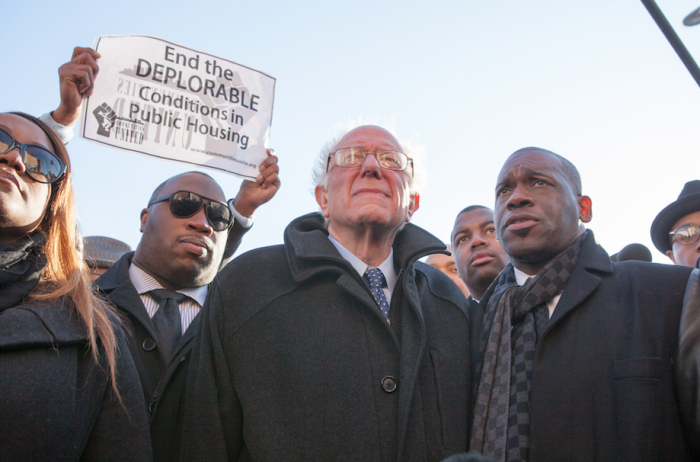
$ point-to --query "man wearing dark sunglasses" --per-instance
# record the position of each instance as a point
(188, 229)
(676, 229)
(339, 344)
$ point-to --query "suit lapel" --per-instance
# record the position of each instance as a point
(359, 290)
(582, 283)
(189, 334)
(126, 298)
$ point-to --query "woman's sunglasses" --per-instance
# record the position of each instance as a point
(184, 204)
(40, 164)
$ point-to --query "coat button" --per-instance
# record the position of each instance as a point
(388, 384)
(149, 344)
(150, 407)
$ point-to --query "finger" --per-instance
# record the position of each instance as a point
(272, 160)
(68, 69)
(87, 60)
(265, 177)
(82, 75)
(77, 51)
(82, 79)
(272, 181)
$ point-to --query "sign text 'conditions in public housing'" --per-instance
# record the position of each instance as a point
(180, 104)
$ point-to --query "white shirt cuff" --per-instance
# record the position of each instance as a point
(244, 221)
(63, 131)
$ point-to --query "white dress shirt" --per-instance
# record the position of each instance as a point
(521, 278)
(144, 282)
(387, 267)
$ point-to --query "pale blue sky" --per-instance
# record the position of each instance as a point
(594, 81)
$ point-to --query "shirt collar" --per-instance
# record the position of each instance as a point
(387, 266)
(520, 277)
(144, 282)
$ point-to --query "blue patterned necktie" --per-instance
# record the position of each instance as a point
(374, 278)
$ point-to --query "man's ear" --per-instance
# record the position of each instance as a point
(669, 254)
(144, 219)
(413, 206)
(586, 205)
(322, 199)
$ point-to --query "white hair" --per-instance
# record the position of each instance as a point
(410, 148)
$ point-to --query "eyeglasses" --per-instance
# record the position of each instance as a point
(184, 204)
(686, 234)
(355, 157)
(40, 164)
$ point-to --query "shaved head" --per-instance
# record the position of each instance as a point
(157, 192)
(568, 169)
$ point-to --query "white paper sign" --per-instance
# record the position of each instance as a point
(164, 100)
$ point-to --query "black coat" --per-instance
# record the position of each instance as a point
(603, 385)
(56, 403)
(163, 382)
(294, 360)
(476, 322)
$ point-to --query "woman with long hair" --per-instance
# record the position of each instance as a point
(68, 386)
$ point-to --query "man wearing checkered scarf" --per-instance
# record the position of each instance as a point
(581, 358)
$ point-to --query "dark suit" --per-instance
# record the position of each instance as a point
(603, 385)
(163, 382)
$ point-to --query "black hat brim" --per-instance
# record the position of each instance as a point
(670, 215)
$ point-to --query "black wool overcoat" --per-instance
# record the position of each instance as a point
(606, 385)
(56, 402)
(295, 361)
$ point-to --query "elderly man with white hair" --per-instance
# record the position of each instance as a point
(339, 344)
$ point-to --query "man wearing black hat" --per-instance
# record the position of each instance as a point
(101, 253)
(676, 228)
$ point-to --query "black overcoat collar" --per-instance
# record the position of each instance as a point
(593, 261)
(41, 324)
(310, 252)
(116, 284)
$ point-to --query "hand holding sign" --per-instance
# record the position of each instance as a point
(76, 78)
(253, 194)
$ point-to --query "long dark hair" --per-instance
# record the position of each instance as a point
(66, 274)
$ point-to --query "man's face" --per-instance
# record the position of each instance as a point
(181, 252)
(367, 196)
(686, 255)
(479, 256)
(22, 200)
(447, 265)
(537, 211)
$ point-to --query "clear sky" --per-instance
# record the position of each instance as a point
(594, 81)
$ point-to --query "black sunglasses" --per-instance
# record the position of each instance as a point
(40, 164)
(184, 204)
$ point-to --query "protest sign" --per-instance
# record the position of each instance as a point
(165, 100)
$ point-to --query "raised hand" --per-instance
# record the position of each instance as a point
(77, 78)
(255, 193)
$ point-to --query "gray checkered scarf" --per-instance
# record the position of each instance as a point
(515, 317)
